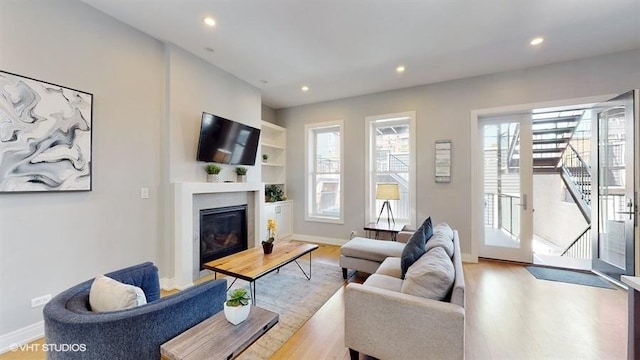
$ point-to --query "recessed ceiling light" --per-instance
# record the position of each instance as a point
(305, 88)
(209, 49)
(536, 41)
(209, 21)
(264, 81)
(400, 69)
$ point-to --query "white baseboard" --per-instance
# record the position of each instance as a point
(169, 284)
(319, 239)
(166, 284)
(21, 336)
(468, 258)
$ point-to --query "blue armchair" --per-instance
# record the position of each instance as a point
(127, 334)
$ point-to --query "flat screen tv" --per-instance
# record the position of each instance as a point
(225, 141)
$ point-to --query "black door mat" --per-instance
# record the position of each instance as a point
(569, 276)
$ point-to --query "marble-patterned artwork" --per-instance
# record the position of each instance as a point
(45, 136)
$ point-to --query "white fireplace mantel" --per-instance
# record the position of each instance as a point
(183, 222)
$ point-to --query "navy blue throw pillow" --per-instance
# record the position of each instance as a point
(415, 246)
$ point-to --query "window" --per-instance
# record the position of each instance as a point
(324, 172)
(391, 159)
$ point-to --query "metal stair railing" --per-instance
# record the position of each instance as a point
(515, 139)
(576, 174)
(579, 170)
(580, 248)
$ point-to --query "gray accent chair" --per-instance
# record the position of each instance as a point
(127, 334)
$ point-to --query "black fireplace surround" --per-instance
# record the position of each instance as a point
(223, 231)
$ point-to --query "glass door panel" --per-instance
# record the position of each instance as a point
(614, 242)
(507, 160)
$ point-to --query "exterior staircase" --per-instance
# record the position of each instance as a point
(553, 153)
(551, 136)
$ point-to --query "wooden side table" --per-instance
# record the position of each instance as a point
(383, 227)
(216, 338)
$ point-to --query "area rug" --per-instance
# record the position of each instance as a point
(294, 298)
(568, 276)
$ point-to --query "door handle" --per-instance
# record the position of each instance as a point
(631, 212)
(523, 202)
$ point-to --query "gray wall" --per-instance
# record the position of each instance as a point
(148, 98)
(443, 112)
(268, 114)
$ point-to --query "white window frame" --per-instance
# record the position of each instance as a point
(309, 172)
(370, 185)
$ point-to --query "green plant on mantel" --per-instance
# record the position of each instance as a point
(274, 193)
(238, 297)
(212, 169)
(241, 170)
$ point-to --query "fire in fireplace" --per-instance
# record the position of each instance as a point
(223, 231)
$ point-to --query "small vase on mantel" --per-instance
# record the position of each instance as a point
(213, 178)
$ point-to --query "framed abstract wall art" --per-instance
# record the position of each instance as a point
(45, 136)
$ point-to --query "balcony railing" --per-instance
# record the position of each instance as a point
(502, 211)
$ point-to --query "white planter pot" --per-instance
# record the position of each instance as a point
(236, 314)
(213, 178)
(242, 178)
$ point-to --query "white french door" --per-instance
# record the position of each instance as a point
(506, 143)
(616, 187)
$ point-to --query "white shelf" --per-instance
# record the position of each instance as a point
(273, 146)
(273, 143)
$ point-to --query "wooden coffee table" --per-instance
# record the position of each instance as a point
(216, 338)
(252, 264)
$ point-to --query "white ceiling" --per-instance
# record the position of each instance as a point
(342, 48)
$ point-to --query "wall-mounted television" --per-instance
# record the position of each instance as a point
(226, 141)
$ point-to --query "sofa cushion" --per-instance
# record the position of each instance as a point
(415, 246)
(445, 229)
(107, 294)
(384, 282)
(440, 239)
(391, 267)
(375, 250)
(431, 276)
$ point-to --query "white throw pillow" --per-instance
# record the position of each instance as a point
(107, 294)
(431, 276)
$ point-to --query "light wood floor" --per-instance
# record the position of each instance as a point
(509, 315)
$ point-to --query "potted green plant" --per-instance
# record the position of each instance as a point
(267, 245)
(265, 157)
(273, 193)
(236, 308)
(241, 171)
(213, 171)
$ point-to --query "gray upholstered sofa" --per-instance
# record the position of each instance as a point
(135, 333)
(366, 255)
(383, 321)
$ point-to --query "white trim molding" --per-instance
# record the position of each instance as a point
(390, 119)
(319, 239)
(309, 168)
(9, 342)
(476, 170)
